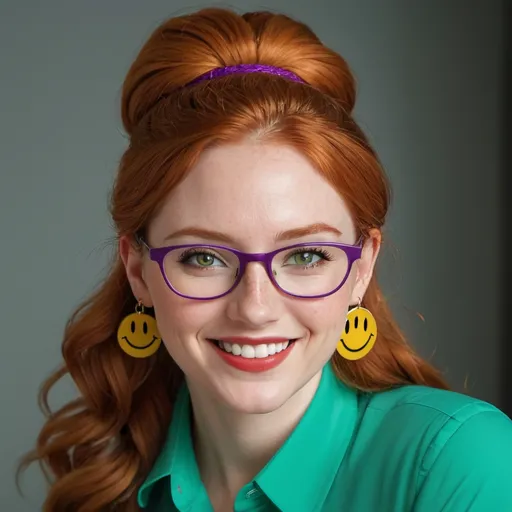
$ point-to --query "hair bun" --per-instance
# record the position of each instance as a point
(290, 44)
(183, 48)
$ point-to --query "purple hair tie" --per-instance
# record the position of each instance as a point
(246, 68)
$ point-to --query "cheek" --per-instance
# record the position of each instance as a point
(177, 316)
(325, 318)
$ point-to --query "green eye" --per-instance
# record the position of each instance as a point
(304, 258)
(204, 259)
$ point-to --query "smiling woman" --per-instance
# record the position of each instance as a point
(241, 355)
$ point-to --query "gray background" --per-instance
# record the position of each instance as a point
(431, 95)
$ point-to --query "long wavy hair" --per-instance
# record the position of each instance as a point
(99, 448)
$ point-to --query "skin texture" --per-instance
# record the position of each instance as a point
(250, 192)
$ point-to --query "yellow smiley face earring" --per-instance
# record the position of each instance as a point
(359, 335)
(138, 334)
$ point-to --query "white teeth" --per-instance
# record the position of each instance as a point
(253, 351)
(248, 352)
(260, 351)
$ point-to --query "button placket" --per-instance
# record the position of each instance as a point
(253, 493)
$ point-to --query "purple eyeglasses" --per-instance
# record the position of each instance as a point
(306, 280)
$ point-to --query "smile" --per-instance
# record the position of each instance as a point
(357, 349)
(245, 358)
(143, 346)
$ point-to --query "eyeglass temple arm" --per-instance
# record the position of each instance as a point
(140, 240)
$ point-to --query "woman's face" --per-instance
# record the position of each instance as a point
(251, 193)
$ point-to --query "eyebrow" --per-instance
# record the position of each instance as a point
(291, 234)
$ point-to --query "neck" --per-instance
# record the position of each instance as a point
(232, 447)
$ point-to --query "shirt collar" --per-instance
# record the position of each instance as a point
(299, 475)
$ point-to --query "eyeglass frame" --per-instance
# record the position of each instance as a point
(158, 254)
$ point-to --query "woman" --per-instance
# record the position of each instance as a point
(240, 355)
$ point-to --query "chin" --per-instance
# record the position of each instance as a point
(250, 392)
(253, 397)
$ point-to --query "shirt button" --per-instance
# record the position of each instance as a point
(253, 493)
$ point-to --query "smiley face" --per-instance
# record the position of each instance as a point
(359, 335)
(138, 335)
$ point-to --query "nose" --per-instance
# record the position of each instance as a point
(255, 301)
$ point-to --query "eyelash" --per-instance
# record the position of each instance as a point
(192, 251)
(320, 251)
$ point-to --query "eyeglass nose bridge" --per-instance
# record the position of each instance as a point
(245, 259)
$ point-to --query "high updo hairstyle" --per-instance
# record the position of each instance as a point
(98, 449)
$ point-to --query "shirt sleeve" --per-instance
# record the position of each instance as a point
(472, 469)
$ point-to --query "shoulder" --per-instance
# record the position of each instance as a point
(415, 398)
(437, 416)
(462, 446)
(421, 407)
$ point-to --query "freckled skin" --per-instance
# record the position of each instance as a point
(250, 192)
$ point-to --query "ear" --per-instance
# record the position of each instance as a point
(133, 260)
(366, 264)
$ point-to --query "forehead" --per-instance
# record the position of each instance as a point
(251, 191)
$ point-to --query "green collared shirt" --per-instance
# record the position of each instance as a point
(410, 449)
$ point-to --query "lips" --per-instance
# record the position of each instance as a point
(253, 354)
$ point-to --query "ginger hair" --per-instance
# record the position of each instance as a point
(98, 449)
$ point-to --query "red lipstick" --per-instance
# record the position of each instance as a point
(253, 365)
